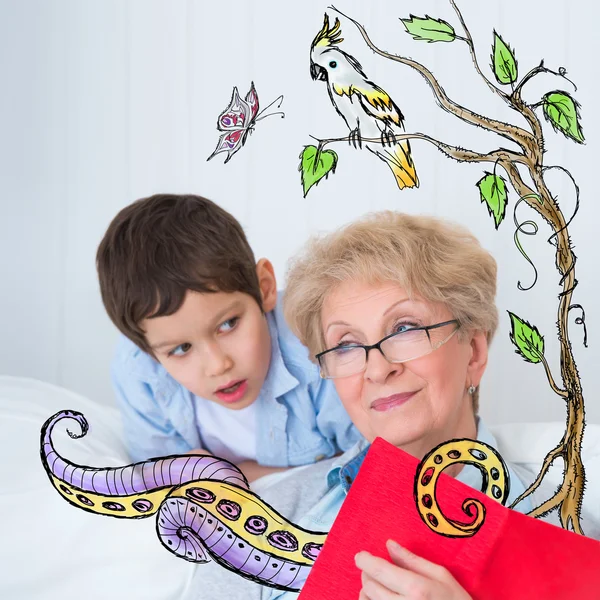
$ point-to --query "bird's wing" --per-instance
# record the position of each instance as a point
(376, 103)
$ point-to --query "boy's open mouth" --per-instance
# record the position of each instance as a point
(233, 391)
(231, 388)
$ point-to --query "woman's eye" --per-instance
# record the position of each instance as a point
(404, 326)
(345, 349)
(346, 344)
(229, 324)
(180, 350)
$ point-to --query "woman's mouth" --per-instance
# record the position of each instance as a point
(390, 402)
(233, 392)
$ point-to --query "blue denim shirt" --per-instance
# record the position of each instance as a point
(300, 418)
(343, 472)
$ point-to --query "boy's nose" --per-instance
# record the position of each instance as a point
(217, 362)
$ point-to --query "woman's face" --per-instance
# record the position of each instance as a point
(414, 405)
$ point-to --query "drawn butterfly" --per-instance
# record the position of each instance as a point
(238, 120)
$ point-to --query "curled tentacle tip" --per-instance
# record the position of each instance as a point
(473, 507)
(76, 436)
(77, 416)
(69, 413)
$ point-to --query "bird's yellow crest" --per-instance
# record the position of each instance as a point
(328, 36)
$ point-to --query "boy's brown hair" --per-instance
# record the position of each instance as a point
(158, 248)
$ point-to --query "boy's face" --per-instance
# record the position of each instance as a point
(217, 345)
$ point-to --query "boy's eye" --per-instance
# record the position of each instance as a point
(228, 325)
(180, 350)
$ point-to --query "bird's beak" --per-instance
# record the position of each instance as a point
(318, 72)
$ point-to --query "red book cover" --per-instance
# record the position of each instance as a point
(512, 556)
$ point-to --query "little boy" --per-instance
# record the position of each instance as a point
(206, 361)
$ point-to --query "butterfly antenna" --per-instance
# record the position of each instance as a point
(277, 100)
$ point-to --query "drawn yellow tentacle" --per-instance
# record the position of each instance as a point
(136, 506)
(252, 520)
(495, 484)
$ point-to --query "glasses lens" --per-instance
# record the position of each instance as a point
(407, 345)
(411, 344)
(343, 362)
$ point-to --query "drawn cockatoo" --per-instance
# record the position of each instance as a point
(367, 109)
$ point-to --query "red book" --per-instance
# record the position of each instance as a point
(511, 557)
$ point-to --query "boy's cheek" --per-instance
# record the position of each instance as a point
(186, 376)
(255, 347)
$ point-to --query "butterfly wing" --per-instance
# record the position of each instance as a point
(230, 142)
(236, 122)
(235, 116)
(233, 122)
(252, 103)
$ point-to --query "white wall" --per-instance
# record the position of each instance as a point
(106, 102)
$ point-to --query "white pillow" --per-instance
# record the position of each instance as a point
(527, 444)
(50, 550)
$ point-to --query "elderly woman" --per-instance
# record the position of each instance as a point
(399, 311)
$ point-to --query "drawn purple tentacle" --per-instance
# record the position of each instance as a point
(189, 531)
(194, 522)
(132, 479)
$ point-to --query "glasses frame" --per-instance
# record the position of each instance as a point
(368, 348)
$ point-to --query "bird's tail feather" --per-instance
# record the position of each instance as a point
(400, 161)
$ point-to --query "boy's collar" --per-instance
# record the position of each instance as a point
(279, 380)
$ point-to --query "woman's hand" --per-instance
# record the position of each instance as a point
(410, 576)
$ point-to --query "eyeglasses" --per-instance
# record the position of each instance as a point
(399, 347)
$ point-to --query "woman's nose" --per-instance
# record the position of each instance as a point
(379, 368)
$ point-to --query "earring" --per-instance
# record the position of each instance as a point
(471, 390)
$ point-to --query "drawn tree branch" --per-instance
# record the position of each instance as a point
(562, 112)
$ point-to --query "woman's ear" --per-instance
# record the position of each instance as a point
(479, 358)
(267, 283)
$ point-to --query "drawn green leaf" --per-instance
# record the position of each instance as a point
(315, 165)
(494, 193)
(562, 112)
(428, 29)
(527, 339)
(504, 62)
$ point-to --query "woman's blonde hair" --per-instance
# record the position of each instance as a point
(430, 258)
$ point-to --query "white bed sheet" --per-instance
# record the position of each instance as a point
(48, 549)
